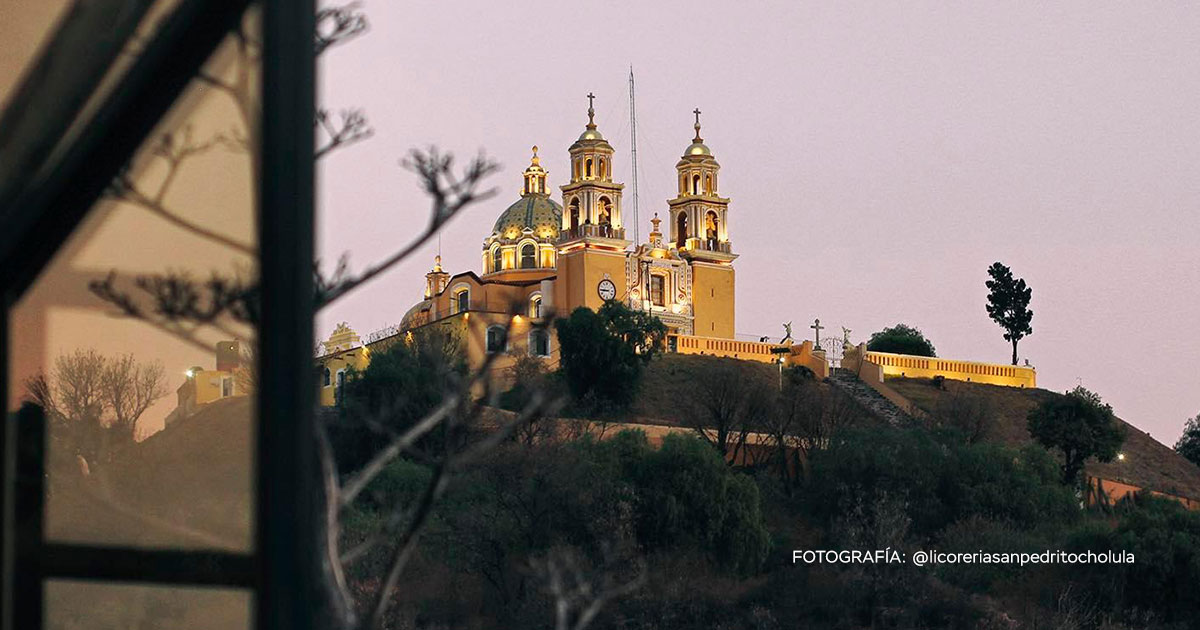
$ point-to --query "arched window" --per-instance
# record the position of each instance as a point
(587, 167)
(695, 184)
(539, 343)
(497, 259)
(708, 187)
(462, 300)
(605, 211)
(574, 213)
(535, 307)
(325, 378)
(710, 226)
(528, 256)
(600, 169)
(341, 378)
(496, 339)
(681, 230)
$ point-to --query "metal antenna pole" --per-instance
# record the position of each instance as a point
(633, 151)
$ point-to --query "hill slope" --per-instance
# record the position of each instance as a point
(1148, 463)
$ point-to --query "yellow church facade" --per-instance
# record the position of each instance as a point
(551, 252)
(545, 257)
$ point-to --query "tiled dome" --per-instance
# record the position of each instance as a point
(537, 212)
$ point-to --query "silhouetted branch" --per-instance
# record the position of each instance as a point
(450, 194)
(578, 596)
(351, 127)
(337, 25)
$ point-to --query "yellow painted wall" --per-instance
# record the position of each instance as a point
(579, 275)
(356, 358)
(762, 352)
(712, 300)
(973, 371)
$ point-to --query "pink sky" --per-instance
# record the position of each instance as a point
(878, 158)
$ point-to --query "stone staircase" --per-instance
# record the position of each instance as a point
(871, 400)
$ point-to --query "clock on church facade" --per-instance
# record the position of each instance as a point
(551, 252)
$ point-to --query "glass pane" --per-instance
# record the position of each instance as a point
(96, 606)
(138, 338)
(27, 26)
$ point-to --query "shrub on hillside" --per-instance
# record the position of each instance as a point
(1164, 538)
(901, 339)
(688, 497)
(1079, 425)
(940, 481)
(1189, 443)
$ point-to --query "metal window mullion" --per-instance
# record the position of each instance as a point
(287, 489)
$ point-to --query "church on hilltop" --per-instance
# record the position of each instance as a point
(551, 252)
(546, 257)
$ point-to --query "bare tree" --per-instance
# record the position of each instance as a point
(129, 388)
(806, 416)
(728, 403)
(97, 400)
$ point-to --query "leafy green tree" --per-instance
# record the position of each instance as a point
(604, 352)
(901, 339)
(1080, 425)
(1008, 304)
(1189, 443)
(402, 383)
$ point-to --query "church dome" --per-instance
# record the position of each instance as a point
(536, 212)
(590, 133)
(697, 148)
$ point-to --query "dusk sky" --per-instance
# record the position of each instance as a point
(878, 159)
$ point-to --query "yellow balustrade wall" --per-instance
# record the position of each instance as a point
(748, 350)
(763, 352)
(975, 372)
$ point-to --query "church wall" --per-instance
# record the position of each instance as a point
(579, 275)
(732, 348)
(712, 300)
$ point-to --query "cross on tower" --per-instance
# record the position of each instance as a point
(697, 113)
(817, 335)
(591, 110)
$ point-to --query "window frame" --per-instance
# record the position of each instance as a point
(40, 214)
(487, 339)
(535, 333)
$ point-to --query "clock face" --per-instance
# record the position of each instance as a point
(606, 289)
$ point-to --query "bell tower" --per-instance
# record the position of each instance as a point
(591, 200)
(699, 231)
(591, 243)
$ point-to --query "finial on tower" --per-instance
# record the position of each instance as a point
(535, 161)
(697, 138)
(655, 221)
(591, 111)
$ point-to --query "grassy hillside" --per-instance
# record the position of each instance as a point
(1148, 463)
